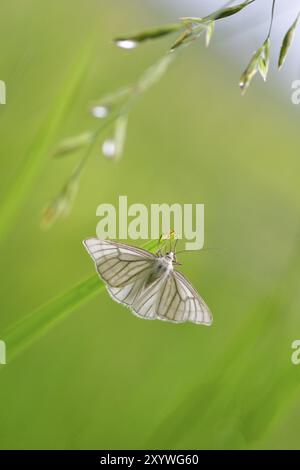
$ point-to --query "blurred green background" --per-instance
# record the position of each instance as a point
(103, 378)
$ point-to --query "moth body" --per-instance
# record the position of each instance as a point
(164, 264)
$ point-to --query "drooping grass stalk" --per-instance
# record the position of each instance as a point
(23, 181)
(37, 323)
(191, 29)
(61, 204)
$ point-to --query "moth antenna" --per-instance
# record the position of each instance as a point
(197, 251)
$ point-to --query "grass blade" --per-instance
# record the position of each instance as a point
(34, 325)
(25, 332)
(29, 170)
(211, 388)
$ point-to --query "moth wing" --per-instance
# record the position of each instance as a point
(118, 264)
(139, 296)
(179, 302)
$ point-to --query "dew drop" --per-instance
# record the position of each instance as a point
(126, 43)
(100, 111)
(109, 148)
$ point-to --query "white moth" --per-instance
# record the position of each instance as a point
(147, 283)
